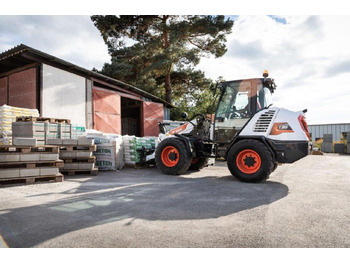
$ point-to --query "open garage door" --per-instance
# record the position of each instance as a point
(153, 113)
(106, 106)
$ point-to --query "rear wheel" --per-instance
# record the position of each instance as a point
(250, 161)
(198, 163)
(172, 156)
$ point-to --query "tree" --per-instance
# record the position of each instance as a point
(152, 51)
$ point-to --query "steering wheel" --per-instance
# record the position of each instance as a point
(199, 117)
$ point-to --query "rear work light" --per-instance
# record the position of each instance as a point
(303, 125)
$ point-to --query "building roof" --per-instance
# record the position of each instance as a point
(23, 55)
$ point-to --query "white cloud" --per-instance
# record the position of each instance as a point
(309, 57)
(72, 38)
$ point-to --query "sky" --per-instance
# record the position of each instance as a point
(308, 56)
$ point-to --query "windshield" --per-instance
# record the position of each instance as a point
(264, 97)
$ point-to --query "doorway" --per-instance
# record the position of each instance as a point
(131, 116)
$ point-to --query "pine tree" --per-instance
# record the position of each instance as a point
(152, 51)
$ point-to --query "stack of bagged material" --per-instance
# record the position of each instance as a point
(77, 155)
(109, 153)
(29, 163)
(43, 128)
(134, 146)
(8, 115)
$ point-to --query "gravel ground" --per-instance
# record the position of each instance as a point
(305, 204)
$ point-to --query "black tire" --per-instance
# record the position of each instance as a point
(275, 165)
(261, 151)
(183, 158)
(201, 163)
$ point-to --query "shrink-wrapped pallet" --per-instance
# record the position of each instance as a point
(8, 115)
(109, 153)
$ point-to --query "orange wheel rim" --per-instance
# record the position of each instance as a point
(170, 156)
(194, 160)
(248, 161)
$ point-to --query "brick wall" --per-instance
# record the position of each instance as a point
(22, 89)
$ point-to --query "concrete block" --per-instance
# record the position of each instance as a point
(54, 141)
(85, 142)
(327, 147)
(9, 157)
(70, 142)
(9, 173)
(86, 166)
(74, 166)
(83, 154)
(47, 171)
(29, 157)
(24, 141)
(68, 154)
(49, 157)
(29, 172)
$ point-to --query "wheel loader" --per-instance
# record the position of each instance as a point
(248, 132)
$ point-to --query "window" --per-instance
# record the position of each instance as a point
(235, 103)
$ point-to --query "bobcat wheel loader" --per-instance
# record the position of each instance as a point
(248, 132)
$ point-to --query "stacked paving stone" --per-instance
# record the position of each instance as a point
(27, 162)
(77, 155)
(43, 129)
(327, 145)
(8, 115)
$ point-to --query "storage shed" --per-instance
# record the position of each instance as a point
(33, 79)
(338, 131)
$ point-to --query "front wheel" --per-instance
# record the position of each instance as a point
(250, 161)
(172, 156)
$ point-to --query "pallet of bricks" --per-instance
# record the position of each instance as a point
(44, 128)
(8, 115)
(135, 147)
(28, 163)
(77, 155)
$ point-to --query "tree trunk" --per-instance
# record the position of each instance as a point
(168, 97)
(166, 45)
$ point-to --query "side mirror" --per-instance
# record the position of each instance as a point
(184, 115)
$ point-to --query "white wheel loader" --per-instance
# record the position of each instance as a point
(248, 132)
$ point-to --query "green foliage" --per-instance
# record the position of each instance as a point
(158, 53)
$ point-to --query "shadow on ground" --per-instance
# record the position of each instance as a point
(146, 195)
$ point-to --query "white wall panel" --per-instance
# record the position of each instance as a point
(63, 95)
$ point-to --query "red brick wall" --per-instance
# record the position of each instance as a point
(3, 91)
(22, 89)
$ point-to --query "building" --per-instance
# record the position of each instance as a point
(339, 131)
(58, 89)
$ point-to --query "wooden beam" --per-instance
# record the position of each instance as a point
(18, 69)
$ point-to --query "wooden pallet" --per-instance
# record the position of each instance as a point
(31, 180)
(84, 160)
(29, 149)
(92, 172)
(41, 119)
(31, 164)
(75, 147)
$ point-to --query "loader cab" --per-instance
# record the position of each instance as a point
(239, 101)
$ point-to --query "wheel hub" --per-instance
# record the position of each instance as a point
(248, 161)
(172, 156)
